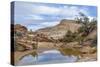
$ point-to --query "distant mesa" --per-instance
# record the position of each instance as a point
(60, 30)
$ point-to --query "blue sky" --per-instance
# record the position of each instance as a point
(39, 15)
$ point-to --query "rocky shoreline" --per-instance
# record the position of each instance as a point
(84, 53)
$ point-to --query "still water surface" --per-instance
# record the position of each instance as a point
(50, 56)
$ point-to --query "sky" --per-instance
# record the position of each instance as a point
(40, 15)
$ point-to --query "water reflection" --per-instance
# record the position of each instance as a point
(50, 56)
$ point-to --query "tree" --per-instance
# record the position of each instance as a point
(93, 23)
(85, 29)
(82, 18)
(78, 20)
(70, 37)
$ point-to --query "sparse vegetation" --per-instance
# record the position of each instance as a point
(86, 29)
(70, 51)
(68, 39)
(94, 42)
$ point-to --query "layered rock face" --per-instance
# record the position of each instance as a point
(50, 34)
(58, 31)
(20, 28)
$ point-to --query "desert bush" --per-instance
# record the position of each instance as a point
(19, 34)
(94, 42)
(35, 46)
(70, 37)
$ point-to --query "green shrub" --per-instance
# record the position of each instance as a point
(70, 37)
(94, 42)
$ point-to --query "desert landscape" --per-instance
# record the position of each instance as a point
(70, 37)
(46, 33)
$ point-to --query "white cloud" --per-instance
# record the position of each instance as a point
(45, 10)
(36, 17)
(50, 23)
(70, 11)
(85, 11)
(42, 25)
(66, 11)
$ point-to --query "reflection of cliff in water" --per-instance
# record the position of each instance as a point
(50, 56)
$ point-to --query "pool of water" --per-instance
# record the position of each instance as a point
(50, 56)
